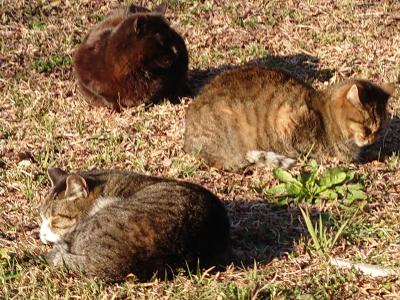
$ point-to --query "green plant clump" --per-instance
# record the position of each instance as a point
(45, 65)
(312, 187)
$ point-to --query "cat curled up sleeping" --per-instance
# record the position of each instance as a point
(132, 57)
(263, 116)
(110, 223)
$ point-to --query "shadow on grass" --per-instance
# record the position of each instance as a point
(387, 144)
(262, 231)
(304, 67)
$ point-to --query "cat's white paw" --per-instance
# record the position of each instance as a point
(278, 160)
(266, 158)
(253, 156)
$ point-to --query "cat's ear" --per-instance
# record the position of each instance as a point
(76, 186)
(352, 95)
(132, 8)
(388, 88)
(160, 9)
(56, 175)
(139, 25)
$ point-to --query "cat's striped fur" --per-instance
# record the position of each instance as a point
(264, 116)
(110, 223)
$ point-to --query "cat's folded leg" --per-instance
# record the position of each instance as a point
(271, 159)
(59, 256)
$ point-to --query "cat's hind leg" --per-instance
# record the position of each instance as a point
(271, 159)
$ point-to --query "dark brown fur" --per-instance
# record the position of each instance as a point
(258, 109)
(131, 57)
(140, 225)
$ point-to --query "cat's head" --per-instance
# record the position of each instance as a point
(360, 109)
(147, 40)
(64, 206)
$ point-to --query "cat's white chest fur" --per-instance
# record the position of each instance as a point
(46, 234)
(101, 203)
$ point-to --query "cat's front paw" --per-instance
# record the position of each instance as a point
(54, 258)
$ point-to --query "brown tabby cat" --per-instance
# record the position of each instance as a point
(111, 223)
(131, 57)
(263, 116)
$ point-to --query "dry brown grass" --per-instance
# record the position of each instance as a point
(44, 121)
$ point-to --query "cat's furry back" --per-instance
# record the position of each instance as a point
(262, 116)
(131, 57)
(111, 223)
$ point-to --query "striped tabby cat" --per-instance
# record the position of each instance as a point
(264, 116)
(111, 223)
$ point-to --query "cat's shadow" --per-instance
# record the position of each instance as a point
(302, 66)
(262, 231)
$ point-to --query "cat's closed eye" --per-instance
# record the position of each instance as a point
(62, 222)
(367, 131)
(59, 225)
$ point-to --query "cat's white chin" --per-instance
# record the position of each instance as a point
(46, 235)
(361, 143)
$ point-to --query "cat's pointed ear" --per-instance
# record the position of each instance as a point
(56, 175)
(388, 88)
(132, 8)
(76, 186)
(160, 9)
(352, 95)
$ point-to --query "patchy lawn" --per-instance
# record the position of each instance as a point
(44, 121)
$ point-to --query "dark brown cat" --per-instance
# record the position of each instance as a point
(131, 57)
(111, 223)
(264, 116)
